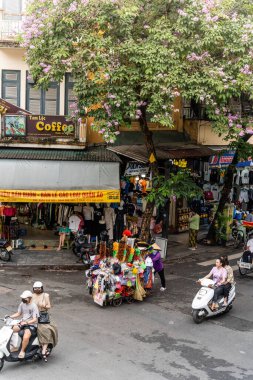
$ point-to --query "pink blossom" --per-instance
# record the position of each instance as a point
(73, 7)
(242, 133)
(181, 12)
(249, 131)
(47, 69)
(246, 70)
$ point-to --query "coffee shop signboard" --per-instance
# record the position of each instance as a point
(40, 126)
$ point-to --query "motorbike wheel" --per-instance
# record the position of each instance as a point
(238, 241)
(243, 271)
(86, 259)
(4, 255)
(198, 318)
(117, 301)
(130, 299)
(76, 252)
(1, 363)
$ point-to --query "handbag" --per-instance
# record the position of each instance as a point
(43, 317)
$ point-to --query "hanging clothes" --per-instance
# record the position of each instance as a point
(109, 221)
(119, 223)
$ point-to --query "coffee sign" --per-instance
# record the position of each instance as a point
(49, 126)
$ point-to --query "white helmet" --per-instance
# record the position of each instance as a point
(38, 284)
(26, 294)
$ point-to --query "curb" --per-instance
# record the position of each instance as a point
(44, 267)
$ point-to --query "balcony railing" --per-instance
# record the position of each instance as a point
(9, 29)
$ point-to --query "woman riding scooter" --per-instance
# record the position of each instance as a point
(230, 278)
(219, 276)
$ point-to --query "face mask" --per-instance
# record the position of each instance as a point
(24, 300)
(37, 291)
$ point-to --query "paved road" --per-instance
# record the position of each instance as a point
(152, 340)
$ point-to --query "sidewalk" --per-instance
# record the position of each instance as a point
(48, 259)
(51, 259)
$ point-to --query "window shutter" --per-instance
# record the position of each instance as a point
(11, 86)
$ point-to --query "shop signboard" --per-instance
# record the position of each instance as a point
(136, 169)
(7, 108)
(15, 125)
(62, 196)
(50, 126)
(223, 160)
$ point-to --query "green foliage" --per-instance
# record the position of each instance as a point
(179, 185)
(130, 54)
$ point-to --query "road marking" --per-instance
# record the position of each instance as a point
(230, 257)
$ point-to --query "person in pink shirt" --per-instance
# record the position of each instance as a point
(219, 276)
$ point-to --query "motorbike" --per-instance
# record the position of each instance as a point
(201, 304)
(5, 250)
(241, 235)
(245, 265)
(82, 248)
(9, 339)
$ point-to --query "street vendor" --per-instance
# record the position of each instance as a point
(155, 255)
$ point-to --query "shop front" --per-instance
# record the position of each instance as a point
(40, 189)
(137, 179)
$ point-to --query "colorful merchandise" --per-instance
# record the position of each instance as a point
(114, 279)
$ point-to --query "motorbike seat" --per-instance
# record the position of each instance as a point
(87, 245)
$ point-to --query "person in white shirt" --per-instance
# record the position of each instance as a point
(249, 246)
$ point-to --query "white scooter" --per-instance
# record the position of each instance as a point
(10, 339)
(201, 305)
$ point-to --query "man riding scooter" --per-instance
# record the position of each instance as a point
(29, 314)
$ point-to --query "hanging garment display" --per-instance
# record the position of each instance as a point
(109, 220)
(119, 223)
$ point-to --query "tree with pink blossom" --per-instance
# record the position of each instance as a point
(134, 57)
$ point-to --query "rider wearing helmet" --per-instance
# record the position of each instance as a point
(29, 314)
(47, 332)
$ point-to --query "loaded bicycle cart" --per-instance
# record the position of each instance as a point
(124, 274)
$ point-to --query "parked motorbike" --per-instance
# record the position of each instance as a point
(201, 305)
(245, 265)
(82, 248)
(7, 339)
(241, 235)
(5, 250)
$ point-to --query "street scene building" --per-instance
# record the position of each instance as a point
(126, 189)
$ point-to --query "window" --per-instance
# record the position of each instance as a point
(11, 86)
(69, 93)
(45, 102)
(12, 9)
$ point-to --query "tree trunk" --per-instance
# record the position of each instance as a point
(148, 135)
(166, 214)
(228, 184)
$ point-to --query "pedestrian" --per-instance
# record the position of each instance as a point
(63, 232)
(155, 255)
(193, 230)
(249, 217)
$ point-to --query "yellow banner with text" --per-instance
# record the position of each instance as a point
(60, 196)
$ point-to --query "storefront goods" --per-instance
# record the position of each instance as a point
(114, 279)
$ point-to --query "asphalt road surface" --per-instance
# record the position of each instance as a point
(152, 340)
